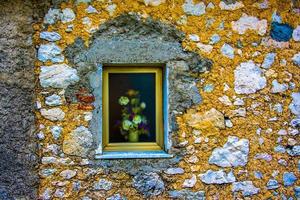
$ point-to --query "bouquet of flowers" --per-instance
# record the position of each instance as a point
(133, 123)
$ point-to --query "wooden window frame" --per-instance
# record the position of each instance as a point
(140, 146)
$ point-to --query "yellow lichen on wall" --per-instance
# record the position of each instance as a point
(258, 105)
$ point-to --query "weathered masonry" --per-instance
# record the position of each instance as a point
(150, 99)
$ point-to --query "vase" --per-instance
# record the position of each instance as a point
(133, 136)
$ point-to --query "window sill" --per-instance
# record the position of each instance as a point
(133, 155)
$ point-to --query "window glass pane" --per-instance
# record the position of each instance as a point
(132, 107)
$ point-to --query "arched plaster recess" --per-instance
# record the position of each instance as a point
(131, 40)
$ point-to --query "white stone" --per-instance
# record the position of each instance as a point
(78, 142)
(296, 34)
(52, 16)
(210, 5)
(50, 36)
(205, 47)
(189, 183)
(232, 6)
(225, 100)
(58, 76)
(239, 102)
(103, 184)
(246, 187)
(217, 177)
(296, 59)
(86, 21)
(111, 9)
(278, 88)
(248, 78)
(295, 104)
(53, 100)
(53, 148)
(90, 9)
(173, 171)
(215, 38)
(47, 194)
(241, 112)
(193, 159)
(40, 135)
(154, 2)
(227, 51)
(68, 174)
(88, 116)
(194, 38)
(193, 9)
(263, 156)
(50, 52)
(228, 123)
(53, 114)
(269, 60)
(234, 153)
(56, 131)
(250, 23)
(68, 15)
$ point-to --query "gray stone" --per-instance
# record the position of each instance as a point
(246, 187)
(67, 15)
(59, 193)
(56, 131)
(258, 174)
(78, 142)
(250, 23)
(111, 9)
(47, 194)
(217, 177)
(295, 122)
(234, 153)
(116, 197)
(269, 60)
(296, 34)
(172, 171)
(289, 179)
(278, 88)
(149, 184)
(102, 184)
(68, 174)
(295, 104)
(248, 78)
(193, 9)
(90, 9)
(58, 76)
(227, 51)
(279, 149)
(50, 36)
(294, 151)
(215, 38)
(296, 59)
(272, 184)
(53, 100)
(189, 183)
(52, 16)
(47, 172)
(50, 52)
(263, 156)
(187, 194)
(53, 114)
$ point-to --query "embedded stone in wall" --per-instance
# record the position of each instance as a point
(50, 36)
(173, 171)
(231, 6)
(227, 51)
(234, 153)
(250, 23)
(52, 16)
(269, 60)
(246, 187)
(189, 183)
(193, 9)
(102, 184)
(53, 100)
(78, 142)
(295, 104)
(56, 131)
(278, 88)
(154, 2)
(248, 78)
(281, 32)
(289, 179)
(213, 116)
(294, 151)
(67, 15)
(149, 184)
(50, 52)
(54, 114)
(296, 59)
(68, 174)
(296, 34)
(187, 194)
(217, 177)
(58, 76)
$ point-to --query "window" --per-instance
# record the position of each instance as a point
(132, 109)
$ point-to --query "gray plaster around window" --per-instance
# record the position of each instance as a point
(130, 40)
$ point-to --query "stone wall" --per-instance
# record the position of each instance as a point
(240, 139)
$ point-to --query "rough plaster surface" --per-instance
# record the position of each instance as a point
(17, 125)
